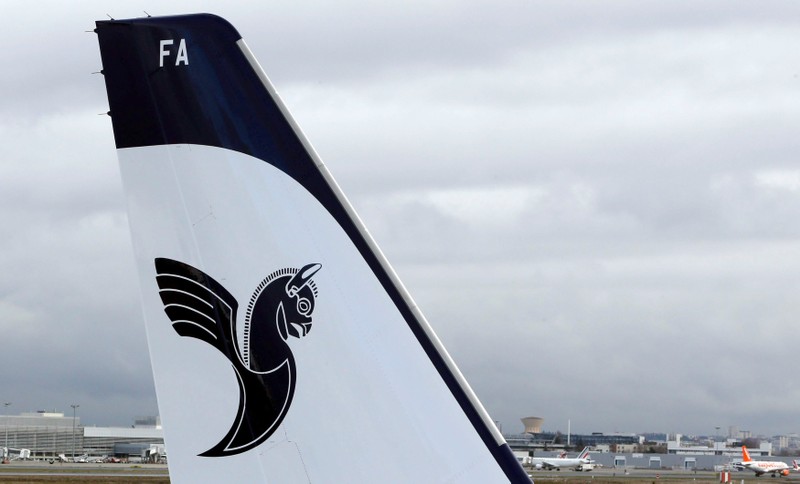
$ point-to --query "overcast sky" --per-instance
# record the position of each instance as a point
(596, 204)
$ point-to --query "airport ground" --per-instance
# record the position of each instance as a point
(45, 473)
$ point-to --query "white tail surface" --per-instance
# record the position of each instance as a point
(284, 348)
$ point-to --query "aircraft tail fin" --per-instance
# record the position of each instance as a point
(745, 455)
(283, 345)
(584, 453)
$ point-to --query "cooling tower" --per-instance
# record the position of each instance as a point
(533, 425)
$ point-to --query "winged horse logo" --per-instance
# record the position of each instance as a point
(281, 306)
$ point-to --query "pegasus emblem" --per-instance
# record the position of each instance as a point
(281, 306)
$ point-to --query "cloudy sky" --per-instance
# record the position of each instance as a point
(594, 203)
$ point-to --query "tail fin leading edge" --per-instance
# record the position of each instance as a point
(313, 363)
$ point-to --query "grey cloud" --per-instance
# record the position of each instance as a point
(647, 150)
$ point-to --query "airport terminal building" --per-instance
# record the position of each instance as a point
(50, 434)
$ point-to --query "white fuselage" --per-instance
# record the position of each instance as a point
(557, 463)
(766, 467)
(562, 462)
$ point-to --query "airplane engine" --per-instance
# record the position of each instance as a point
(785, 472)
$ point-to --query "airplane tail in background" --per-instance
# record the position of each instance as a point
(584, 453)
(284, 347)
(745, 455)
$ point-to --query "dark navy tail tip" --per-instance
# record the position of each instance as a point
(163, 79)
(203, 22)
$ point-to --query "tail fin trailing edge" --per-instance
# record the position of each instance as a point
(428, 336)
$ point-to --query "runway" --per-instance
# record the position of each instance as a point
(44, 472)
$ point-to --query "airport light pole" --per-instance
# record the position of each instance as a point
(5, 450)
(74, 406)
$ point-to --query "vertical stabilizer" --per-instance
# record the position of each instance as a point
(283, 346)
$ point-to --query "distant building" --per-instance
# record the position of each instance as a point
(44, 433)
(120, 441)
(556, 440)
(729, 448)
(48, 434)
(149, 421)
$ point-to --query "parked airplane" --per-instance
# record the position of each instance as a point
(537, 461)
(582, 462)
(79, 459)
(761, 467)
(11, 453)
(240, 234)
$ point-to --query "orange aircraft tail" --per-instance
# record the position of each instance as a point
(745, 455)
